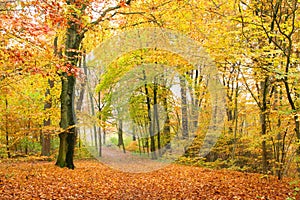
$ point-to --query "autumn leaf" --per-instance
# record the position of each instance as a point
(123, 4)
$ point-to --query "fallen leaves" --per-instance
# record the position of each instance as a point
(93, 180)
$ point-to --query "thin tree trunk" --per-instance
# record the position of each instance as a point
(195, 97)
(99, 127)
(81, 94)
(95, 138)
(104, 135)
(120, 136)
(133, 133)
(139, 144)
(150, 121)
(82, 85)
(184, 113)
(6, 128)
(156, 116)
(167, 128)
(235, 117)
(263, 121)
(46, 139)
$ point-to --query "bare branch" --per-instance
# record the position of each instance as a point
(130, 13)
(249, 89)
(102, 16)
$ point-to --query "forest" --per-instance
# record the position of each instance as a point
(149, 99)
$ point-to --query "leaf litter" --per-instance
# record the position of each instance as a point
(94, 180)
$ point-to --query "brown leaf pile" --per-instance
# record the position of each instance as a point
(93, 180)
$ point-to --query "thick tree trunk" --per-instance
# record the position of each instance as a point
(67, 123)
(68, 80)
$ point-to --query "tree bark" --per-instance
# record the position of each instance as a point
(74, 35)
(95, 137)
(6, 128)
(67, 123)
(99, 126)
(263, 121)
(150, 121)
(120, 136)
(156, 116)
(46, 139)
(184, 113)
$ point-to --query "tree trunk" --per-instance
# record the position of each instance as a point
(95, 138)
(99, 126)
(156, 116)
(235, 117)
(67, 123)
(167, 128)
(120, 136)
(68, 80)
(46, 139)
(104, 135)
(150, 121)
(79, 102)
(184, 114)
(82, 86)
(6, 128)
(196, 97)
(263, 121)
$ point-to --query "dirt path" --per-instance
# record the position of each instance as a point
(129, 162)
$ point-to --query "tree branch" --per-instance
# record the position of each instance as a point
(102, 15)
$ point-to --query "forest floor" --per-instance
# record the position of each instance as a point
(93, 180)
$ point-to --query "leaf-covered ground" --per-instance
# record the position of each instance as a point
(93, 180)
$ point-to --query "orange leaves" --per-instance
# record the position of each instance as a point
(123, 4)
(69, 69)
(93, 180)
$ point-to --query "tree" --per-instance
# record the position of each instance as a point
(75, 32)
(25, 41)
(275, 21)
